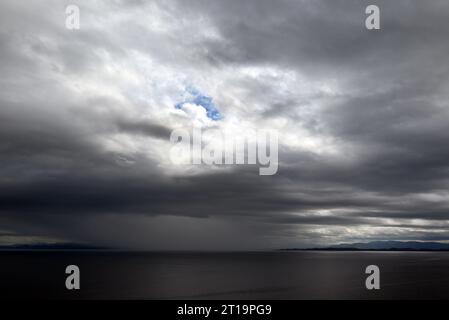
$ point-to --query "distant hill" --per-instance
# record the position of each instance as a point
(384, 246)
(50, 246)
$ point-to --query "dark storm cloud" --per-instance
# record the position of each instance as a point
(145, 128)
(389, 115)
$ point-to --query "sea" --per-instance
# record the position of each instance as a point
(289, 275)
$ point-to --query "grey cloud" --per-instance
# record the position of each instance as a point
(145, 128)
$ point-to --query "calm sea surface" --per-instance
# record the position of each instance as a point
(261, 275)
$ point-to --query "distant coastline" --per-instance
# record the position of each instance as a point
(417, 246)
(356, 249)
(51, 247)
(380, 246)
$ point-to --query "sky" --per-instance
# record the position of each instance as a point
(86, 117)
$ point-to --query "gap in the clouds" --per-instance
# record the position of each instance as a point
(194, 96)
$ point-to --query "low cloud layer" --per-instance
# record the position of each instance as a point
(86, 117)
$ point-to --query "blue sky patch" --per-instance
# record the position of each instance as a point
(195, 97)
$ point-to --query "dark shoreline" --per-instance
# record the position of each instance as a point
(364, 250)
